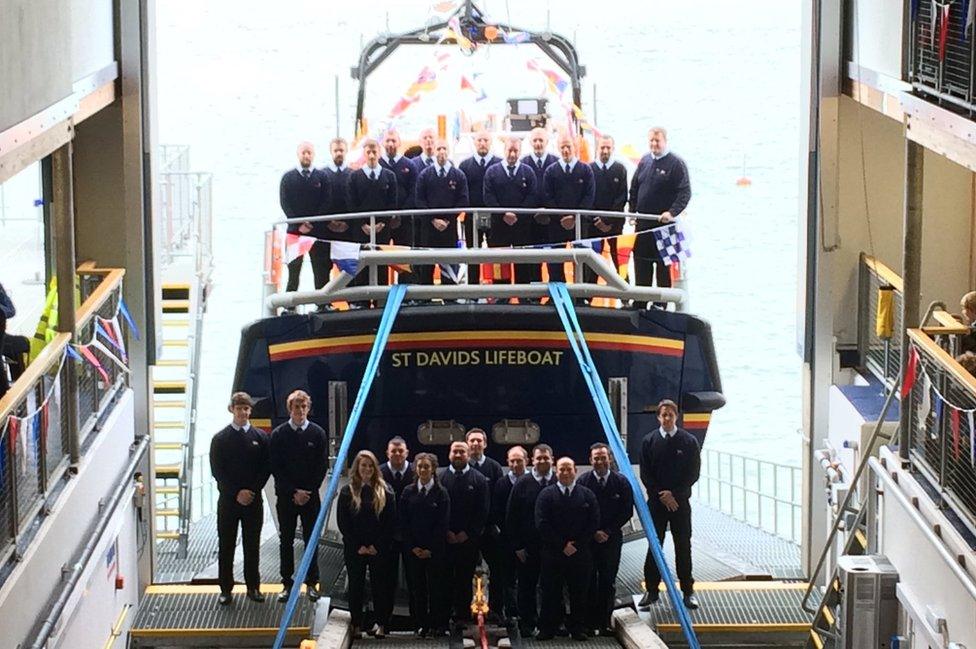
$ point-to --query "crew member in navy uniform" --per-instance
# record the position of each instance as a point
(426, 157)
(240, 465)
(440, 185)
(659, 186)
(610, 179)
(306, 191)
(402, 229)
(470, 495)
(538, 161)
(477, 441)
(474, 169)
(568, 184)
(398, 473)
(503, 577)
(512, 184)
(372, 189)
(566, 515)
(366, 515)
(299, 460)
(424, 510)
(338, 173)
(616, 507)
(669, 466)
(523, 535)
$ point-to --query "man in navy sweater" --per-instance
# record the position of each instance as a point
(239, 463)
(568, 184)
(616, 501)
(440, 185)
(669, 465)
(538, 161)
(426, 157)
(610, 180)
(299, 459)
(372, 189)
(503, 577)
(523, 535)
(306, 191)
(338, 173)
(566, 515)
(402, 230)
(477, 440)
(512, 184)
(398, 473)
(659, 186)
(474, 169)
(469, 494)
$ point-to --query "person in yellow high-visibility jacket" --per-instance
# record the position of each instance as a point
(47, 326)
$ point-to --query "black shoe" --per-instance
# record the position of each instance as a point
(543, 636)
(650, 597)
(380, 632)
(562, 631)
(284, 595)
(255, 595)
(526, 631)
(691, 602)
(313, 593)
(224, 599)
(579, 636)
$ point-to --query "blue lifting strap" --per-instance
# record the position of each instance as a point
(567, 314)
(379, 344)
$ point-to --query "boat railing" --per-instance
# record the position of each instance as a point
(174, 157)
(766, 495)
(53, 408)
(376, 256)
(187, 218)
(203, 491)
(941, 412)
(879, 347)
(946, 76)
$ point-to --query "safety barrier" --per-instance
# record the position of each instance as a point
(766, 495)
(941, 407)
(187, 217)
(947, 77)
(36, 427)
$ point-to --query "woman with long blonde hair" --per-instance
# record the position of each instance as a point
(366, 515)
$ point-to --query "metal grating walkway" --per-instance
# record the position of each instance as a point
(404, 641)
(742, 609)
(186, 616)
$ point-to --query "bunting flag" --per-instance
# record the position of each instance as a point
(625, 247)
(466, 84)
(555, 82)
(402, 105)
(345, 255)
(954, 423)
(91, 358)
(13, 437)
(128, 318)
(102, 348)
(400, 268)
(108, 333)
(925, 406)
(943, 29)
(116, 330)
(72, 353)
(972, 438)
(297, 245)
(933, 19)
(514, 37)
(44, 421)
(444, 7)
(454, 31)
(911, 371)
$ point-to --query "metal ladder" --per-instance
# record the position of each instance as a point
(174, 410)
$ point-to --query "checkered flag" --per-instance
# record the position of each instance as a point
(671, 243)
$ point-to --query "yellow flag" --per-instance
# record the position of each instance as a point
(884, 321)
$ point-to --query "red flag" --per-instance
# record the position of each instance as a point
(465, 84)
(45, 421)
(13, 427)
(943, 30)
(954, 421)
(908, 382)
(87, 353)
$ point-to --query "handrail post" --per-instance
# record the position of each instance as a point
(577, 267)
(911, 269)
(372, 244)
(62, 212)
